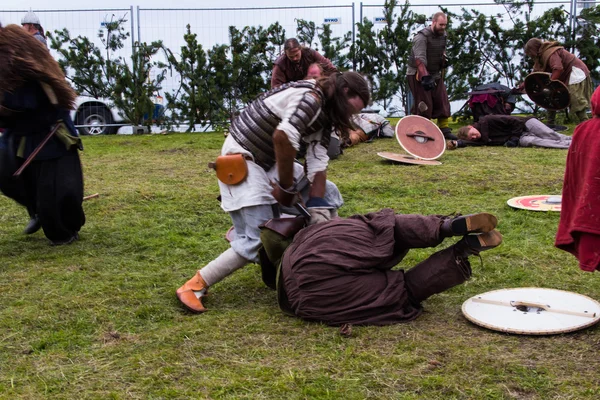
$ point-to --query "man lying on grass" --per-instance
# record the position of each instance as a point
(509, 131)
(340, 271)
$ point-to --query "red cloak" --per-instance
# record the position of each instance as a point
(579, 227)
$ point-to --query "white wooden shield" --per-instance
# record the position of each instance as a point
(532, 311)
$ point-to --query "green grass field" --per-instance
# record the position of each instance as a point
(99, 318)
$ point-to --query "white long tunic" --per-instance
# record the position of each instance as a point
(256, 188)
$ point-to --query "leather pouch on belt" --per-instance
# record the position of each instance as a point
(231, 169)
(286, 227)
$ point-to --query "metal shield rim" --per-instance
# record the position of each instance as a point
(496, 328)
(427, 121)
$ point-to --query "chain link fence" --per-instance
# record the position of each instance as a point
(96, 116)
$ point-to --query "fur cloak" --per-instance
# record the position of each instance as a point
(25, 59)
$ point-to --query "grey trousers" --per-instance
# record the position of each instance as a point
(539, 135)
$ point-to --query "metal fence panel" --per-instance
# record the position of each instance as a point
(93, 116)
(212, 24)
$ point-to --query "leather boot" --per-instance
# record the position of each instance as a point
(33, 226)
(474, 244)
(463, 225)
(191, 292)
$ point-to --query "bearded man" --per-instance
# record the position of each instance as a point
(424, 73)
(293, 64)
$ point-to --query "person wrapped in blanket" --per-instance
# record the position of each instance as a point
(340, 271)
(267, 135)
(35, 100)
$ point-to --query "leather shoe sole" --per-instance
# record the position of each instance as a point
(474, 223)
(485, 241)
(190, 301)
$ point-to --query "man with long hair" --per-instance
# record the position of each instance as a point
(267, 134)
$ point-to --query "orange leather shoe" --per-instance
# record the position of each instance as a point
(188, 298)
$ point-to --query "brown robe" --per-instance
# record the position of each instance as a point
(285, 70)
(340, 271)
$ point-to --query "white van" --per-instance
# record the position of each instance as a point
(94, 116)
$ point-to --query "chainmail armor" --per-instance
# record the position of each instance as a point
(436, 45)
(253, 128)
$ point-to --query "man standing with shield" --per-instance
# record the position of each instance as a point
(424, 73)
(565, 67)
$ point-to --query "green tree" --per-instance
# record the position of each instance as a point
(588, 41)
(86, 65)
(335, 48)
(489, 48)
(251, 51)
(306, 32)
(321, 39)
(220, 86)
(383, 55)
(192, 101)
(127, 84)
(136, 83)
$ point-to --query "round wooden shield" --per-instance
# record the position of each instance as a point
(536, 202)
(532, 311)
(552, 95)
(406, 159)
(420, 137)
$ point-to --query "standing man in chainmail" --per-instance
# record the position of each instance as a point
(424, 73)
